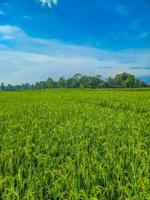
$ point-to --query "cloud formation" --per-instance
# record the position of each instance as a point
(26, 59)
(143, 68)
(10, 32)
(49, 3)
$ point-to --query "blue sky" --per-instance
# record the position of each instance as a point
(41, 38)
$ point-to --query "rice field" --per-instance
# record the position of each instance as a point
(75, 145)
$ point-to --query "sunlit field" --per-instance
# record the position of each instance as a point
(75, 144)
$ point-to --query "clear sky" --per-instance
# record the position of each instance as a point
(42, 38)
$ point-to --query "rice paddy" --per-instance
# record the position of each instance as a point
(75, 144)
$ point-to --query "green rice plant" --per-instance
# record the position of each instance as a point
(75, 144)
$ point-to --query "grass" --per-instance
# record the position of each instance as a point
(72, 144)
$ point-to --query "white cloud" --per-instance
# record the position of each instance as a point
(27, 59)
(8, 32)
(49, 3)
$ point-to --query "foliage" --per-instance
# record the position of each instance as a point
(124, 80)
(74, 144)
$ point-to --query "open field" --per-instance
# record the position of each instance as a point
(72, 144)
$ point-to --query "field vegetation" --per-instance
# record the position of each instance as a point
(75, 144)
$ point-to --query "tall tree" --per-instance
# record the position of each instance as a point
(130, 81)
(50, 83)
(62, 82)
(124, 80)
(2, 86)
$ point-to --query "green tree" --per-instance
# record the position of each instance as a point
(84, 81)
(130, 81)
(2, 86)
(124, 80)
(95, 81)
(110, 82)
(62, 82)
(50, 83)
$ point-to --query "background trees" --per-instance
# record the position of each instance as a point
(50, 83)
(123, 80)
(2, 87)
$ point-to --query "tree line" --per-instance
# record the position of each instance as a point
(123, 80)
